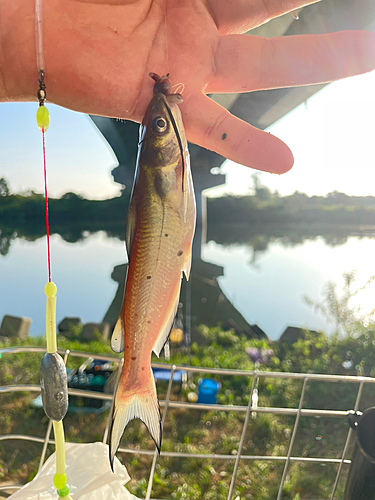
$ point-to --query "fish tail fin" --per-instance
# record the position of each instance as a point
(142, 404)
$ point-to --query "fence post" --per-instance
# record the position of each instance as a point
(359, 394)
(292, 439)
(244, 428)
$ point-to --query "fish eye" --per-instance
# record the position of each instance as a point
(159, 124)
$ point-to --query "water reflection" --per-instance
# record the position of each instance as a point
(257, 238)
(6, 237)
(246, 276)
(203, 300)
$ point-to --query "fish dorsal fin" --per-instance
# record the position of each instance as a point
(132, 211)
(167, 324)
(130, 227)
(186, 181)
(117, 339)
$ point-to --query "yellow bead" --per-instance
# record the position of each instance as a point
(59, 480)
(42, 118)
(50, 289)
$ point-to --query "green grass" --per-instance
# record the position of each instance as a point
(217, 431)
(206, 432)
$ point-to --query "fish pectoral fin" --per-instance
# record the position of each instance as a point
(143, 405)
(187, 261)
(117, 339)
(165, 330)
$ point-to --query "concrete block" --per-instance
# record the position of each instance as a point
(88, 332)
(15, 327)
(67, 323)
(292, 334)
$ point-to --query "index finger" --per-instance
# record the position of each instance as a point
(240, 16)
(213, 127)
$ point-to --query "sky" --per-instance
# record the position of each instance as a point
(332, 140)
(331, 136)
(78, 157)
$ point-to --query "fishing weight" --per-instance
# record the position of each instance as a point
(54, 385)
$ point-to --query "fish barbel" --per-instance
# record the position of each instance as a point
(159, 234)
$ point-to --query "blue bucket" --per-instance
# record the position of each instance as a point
(208, 391)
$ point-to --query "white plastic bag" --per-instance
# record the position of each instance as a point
(89, 476)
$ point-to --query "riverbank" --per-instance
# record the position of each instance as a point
(72, 215)
(210, 432)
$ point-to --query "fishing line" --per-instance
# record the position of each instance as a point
(39, 35)
(166, 34)
(54, 384)
(42, 116)
(177, 88)
(46, 205)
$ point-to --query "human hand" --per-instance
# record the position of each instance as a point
(99, 53)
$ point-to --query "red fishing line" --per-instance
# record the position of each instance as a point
(46, 205)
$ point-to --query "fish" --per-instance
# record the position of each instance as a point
(159, 234)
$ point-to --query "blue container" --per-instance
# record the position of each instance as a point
(208, 391)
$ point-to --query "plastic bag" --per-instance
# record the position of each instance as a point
(89, 476)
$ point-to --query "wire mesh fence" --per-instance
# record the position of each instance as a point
(248, 412)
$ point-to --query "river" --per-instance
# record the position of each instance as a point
(266, 283)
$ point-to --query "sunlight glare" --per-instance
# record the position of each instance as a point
(332, 140)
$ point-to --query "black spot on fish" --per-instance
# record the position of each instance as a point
(224, 136)
(143, 368)
(149, 277)
(180, 253)
(134, 358)
(149, 322)
(166, 235)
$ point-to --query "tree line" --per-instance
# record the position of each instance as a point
(20, 211)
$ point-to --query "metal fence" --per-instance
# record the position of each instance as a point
(251, 408)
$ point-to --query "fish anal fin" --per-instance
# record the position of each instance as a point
(167, 324)
(117, 339)
(128, 406)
